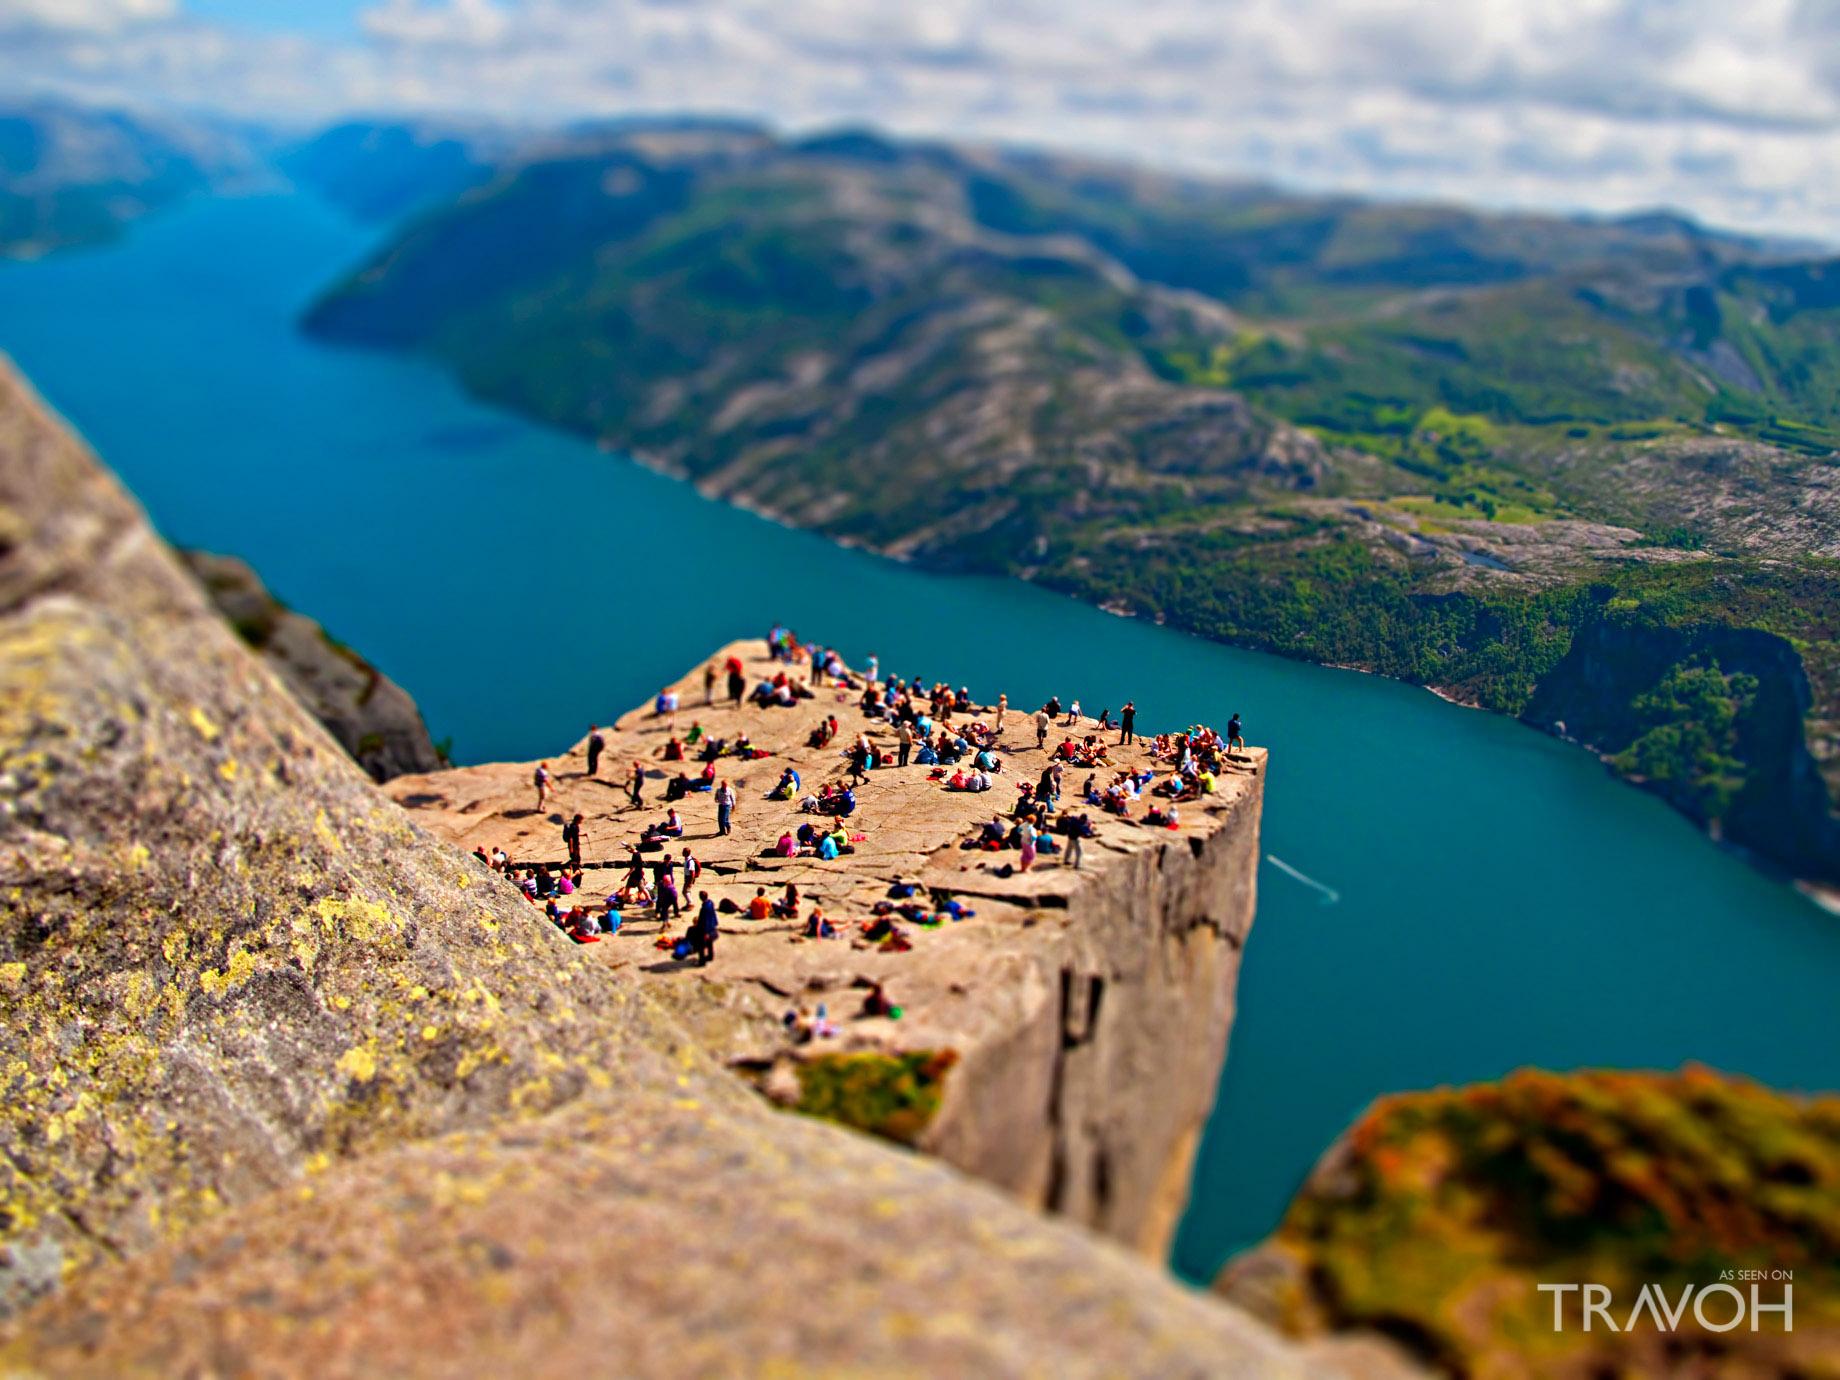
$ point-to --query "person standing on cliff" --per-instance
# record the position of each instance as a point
(1042, 719)
(709, 684)
(571, 835)
(725, 807)
(596, 746)
(704, 935)
(904, 735)
(737, 683)
(1234, 740)
(665, 901)
(637, 787)
(1002, 708)
(540, 779)
(1127, 723)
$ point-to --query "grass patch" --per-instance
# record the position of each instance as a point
(893, 1096)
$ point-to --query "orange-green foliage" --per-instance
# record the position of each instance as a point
(1442, 1211)
(893, 1096)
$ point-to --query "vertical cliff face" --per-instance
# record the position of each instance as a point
(1739, 763)
(1092, 1103)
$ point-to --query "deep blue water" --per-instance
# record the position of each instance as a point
(1503, 901)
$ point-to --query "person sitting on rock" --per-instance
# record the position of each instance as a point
(787, 907)
(761, 906)
(673, 825)
(672, 751)
(817, 927)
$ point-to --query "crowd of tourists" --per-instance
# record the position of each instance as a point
(928, 724)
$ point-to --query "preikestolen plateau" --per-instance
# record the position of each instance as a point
(990, 692)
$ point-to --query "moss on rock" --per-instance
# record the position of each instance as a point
(893, 1096)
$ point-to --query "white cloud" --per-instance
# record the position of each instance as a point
(432, 23)
(92, 16)
(1730, 111)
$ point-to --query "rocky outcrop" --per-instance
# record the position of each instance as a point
(1076, 1024)
(1437, 1216)
(293, 1088)
(1760, 787)
(373, 717)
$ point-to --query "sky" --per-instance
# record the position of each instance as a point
(1729, 111)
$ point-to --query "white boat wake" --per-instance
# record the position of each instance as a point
(1330, 894)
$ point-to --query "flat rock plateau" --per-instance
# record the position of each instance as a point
(1084, 1013)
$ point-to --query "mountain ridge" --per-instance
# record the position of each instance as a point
(1421, 441)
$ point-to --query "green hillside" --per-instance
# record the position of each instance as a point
(72, 175)
(1579, 471)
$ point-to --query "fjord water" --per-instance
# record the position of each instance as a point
(1503, 901)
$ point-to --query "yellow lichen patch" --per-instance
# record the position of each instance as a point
(358, 1063)
(202, 722)
(356, 919)
(234, 973)
(12, 975)
(227, 769)
(139, 855)
(322, 830)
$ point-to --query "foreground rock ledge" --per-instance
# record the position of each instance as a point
(231, 1145)
(1084, 1014)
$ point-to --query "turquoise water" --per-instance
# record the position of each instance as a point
(1503, 901)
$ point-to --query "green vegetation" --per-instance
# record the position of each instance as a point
(1439, 1213)
(893, 1096)
(1690, 735)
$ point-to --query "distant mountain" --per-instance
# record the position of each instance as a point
(1579, 471)
(382, 172)
(388, 171)
(71, 175)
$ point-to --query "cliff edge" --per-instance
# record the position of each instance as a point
(372, 716)
(1064, 1039)
(294, 1088)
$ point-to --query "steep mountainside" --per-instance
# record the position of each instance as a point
(70, 175)
(1426, 442)
(370, 715)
